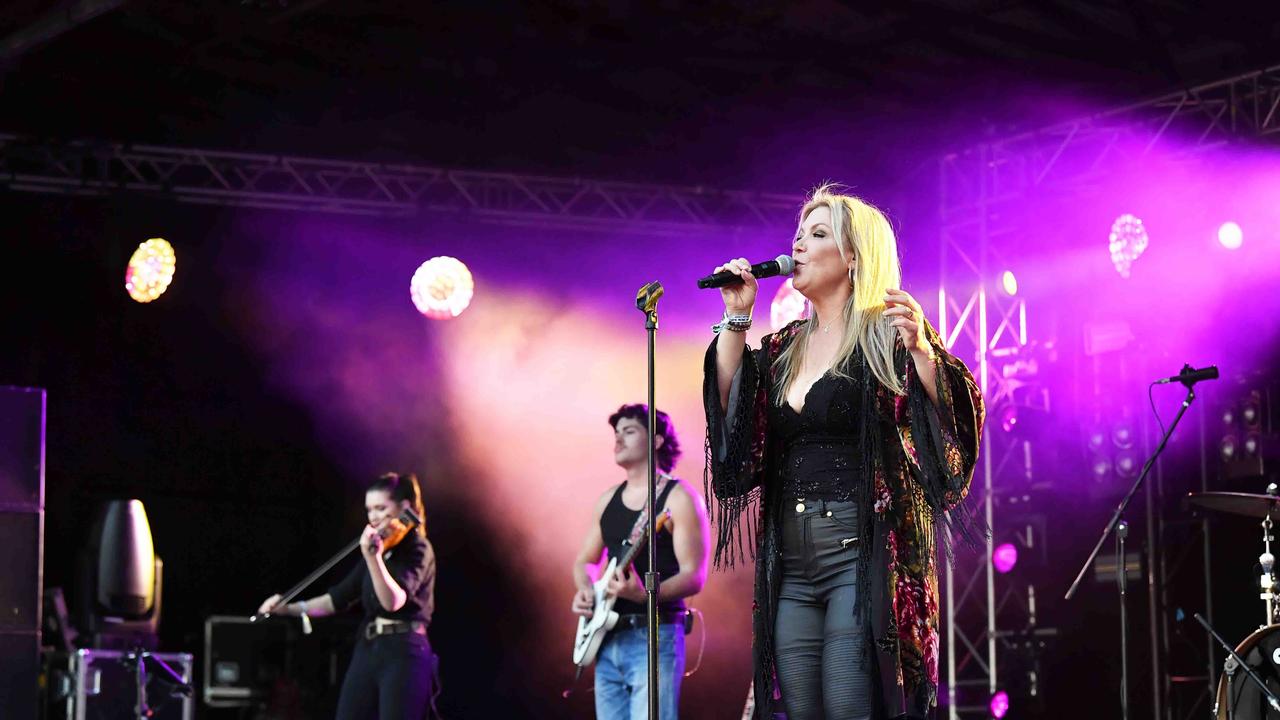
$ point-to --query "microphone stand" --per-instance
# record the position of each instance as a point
(1272, 700)
(647, 302)
(408, 517)
(1116, 520)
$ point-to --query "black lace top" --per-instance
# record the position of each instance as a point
(820, 460)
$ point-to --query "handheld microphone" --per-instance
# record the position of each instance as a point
(1190, 376)
(781, 265)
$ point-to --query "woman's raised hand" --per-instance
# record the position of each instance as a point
(739, 298)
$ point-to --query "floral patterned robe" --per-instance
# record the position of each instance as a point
(920, 459)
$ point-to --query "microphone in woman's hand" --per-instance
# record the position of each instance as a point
(781, 265)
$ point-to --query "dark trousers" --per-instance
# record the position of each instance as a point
(391, 677)
(823, 670)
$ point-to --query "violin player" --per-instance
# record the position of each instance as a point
(393, 669)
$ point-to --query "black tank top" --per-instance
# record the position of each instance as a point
(615, 527)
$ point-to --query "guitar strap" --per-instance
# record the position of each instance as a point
(660, 499)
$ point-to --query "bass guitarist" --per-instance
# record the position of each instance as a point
(621, 674)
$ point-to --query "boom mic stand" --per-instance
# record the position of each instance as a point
(1117, 519)
(647, 302)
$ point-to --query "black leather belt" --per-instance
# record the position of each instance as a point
(628, 622)
(382, 626)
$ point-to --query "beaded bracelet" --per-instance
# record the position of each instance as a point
(732, 323)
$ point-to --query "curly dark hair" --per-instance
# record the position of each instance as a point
(669, 452)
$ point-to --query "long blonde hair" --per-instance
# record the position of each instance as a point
(862, 229)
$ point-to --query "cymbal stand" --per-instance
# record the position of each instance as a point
(1267, 583)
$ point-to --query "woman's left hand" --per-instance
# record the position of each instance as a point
(371, 542)
(908, 318)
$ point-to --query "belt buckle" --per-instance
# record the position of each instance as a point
(370, 631)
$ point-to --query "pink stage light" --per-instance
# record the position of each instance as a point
(1004, 557)
(1127, 242)
(1230, 235)
(442, 288)
(999, 704)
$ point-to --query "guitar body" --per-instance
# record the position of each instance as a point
(591, 631)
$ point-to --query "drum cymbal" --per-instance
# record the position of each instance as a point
(1237, 503)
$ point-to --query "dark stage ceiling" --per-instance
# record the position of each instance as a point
(716, 93)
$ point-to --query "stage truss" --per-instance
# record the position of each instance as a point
(979, 322)
(283, 182)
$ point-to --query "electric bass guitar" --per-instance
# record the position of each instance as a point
(591, 631)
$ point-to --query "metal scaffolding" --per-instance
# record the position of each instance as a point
(978, 186)
(213, 177)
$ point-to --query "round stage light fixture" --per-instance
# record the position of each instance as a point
(1122, 435)
(1227, 449)
(442, 288)
(1127, 241)
(1004, 557)
(1009, 283)
(1101, 468)
(788, 305)
(1230, 235)
(999, 705)
(1097, 438)
(1127, 464)
(150, 270)
(1252, 442)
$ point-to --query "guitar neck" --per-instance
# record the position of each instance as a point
(664, 518)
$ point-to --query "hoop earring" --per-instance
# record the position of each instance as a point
(851, 277)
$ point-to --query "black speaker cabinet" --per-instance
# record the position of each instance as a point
(21, 547)
(21, 448)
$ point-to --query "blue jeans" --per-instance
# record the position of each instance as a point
(622, 673)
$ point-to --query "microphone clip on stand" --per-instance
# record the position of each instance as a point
(1117, 524)
(647, 302)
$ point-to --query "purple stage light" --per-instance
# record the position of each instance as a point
(1009, 282)
(1004, 557)
(1126, 463)
(999, 704)
(1230, 235)
(1009, 417)
(1127, 242)
(1101, 468)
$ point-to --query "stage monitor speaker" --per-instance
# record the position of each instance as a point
(22, 448)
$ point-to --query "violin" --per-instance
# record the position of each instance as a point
(393, 532)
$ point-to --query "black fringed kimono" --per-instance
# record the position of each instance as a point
(916, 464)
